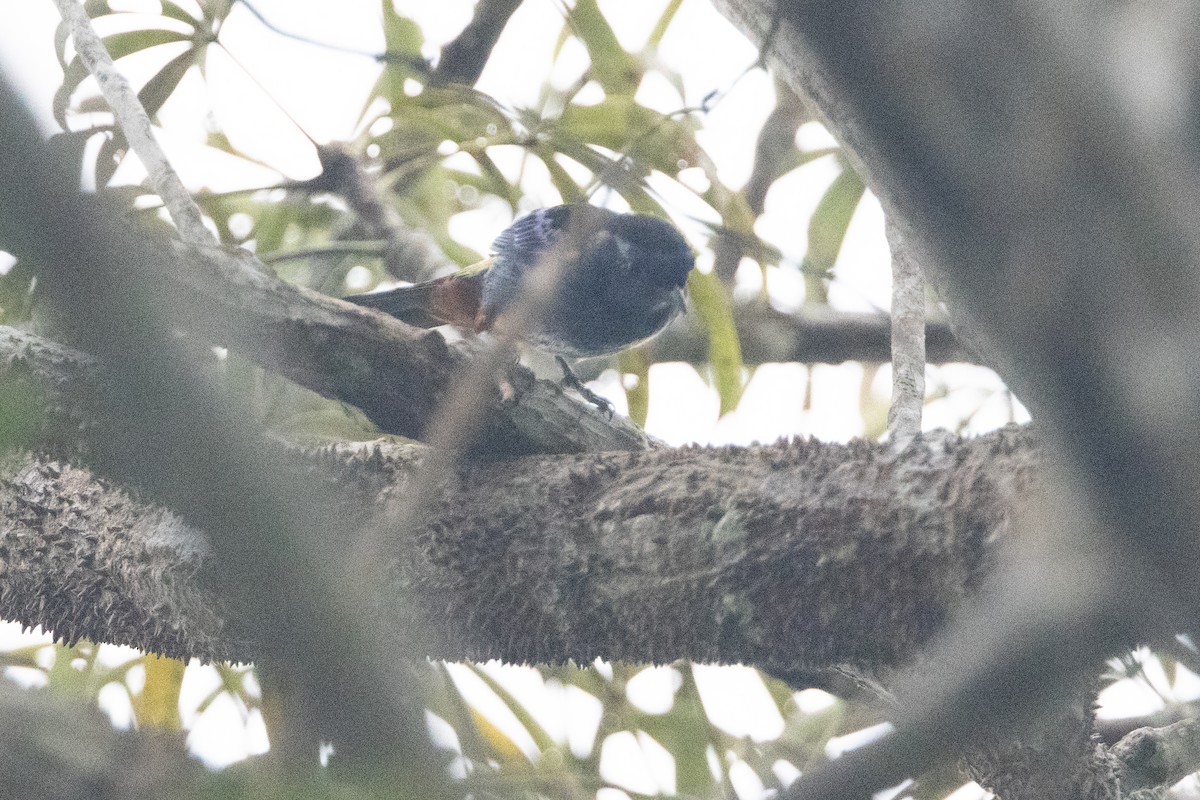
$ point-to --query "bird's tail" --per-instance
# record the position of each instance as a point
(452, 300)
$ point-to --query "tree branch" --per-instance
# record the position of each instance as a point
(712, 555)
(395, 373)
(464, 58)
(135, 123)
(732, 547)
(811, 335)
(1155, 757)
(908, 341)
(181, 442)
(409, 254)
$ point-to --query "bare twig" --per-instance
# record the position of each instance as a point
(415, 63)
(409, 254)
(908, 342)
(133, 120)
(776, 139)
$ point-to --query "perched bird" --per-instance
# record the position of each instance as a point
(624, 285)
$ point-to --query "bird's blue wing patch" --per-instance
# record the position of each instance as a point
(529, 236)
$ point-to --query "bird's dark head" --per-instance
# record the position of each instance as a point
(655, 246)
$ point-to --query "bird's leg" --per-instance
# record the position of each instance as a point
(572, 380)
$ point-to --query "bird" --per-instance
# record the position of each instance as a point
(622, 283)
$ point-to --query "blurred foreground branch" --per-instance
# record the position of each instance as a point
(1035, 184)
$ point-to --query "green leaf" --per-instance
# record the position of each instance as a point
(126, 43)
(614, 69)
(447, 702)
(108, 157)
(567, 187)
(827, 227)
(158, 89)
(686, 732)
(96, 8)
(797, 158)
(73, 75)
(215, 11)
(61, 34)
(402, 40)
(500, 184)
(175, 11)
(712, 306)
(621, 124)
(541, 738)
(664, 22)
(119, 45)
(400, 34)
(636, 362)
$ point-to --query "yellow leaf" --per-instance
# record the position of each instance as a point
(504, 748)
(158, 704)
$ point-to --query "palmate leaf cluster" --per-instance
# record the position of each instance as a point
(430, 148)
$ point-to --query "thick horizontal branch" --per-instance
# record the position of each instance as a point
(816, 335)
(709, 554)
(793, 557)
(395, 373)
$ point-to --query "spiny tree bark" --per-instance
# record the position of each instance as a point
(796, 557)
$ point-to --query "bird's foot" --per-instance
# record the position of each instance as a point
(571, 380)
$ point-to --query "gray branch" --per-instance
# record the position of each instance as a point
(811, 335)
(1155, 757)
(463, 59)
(409, 254)
(395, 373)
(712, 555)
(135, 123)
(908, 341)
